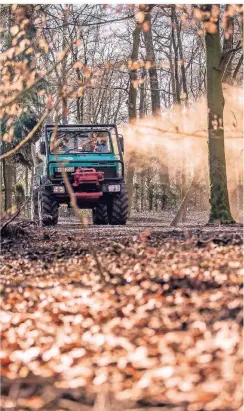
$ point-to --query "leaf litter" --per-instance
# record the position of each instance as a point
(164, 328)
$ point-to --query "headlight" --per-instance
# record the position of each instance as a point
(119, 171)
(114, 188)
(67, 169)
(58, 189)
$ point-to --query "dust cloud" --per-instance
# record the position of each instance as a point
(178, 140)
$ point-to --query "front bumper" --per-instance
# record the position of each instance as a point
(113, 187)
(88, 197)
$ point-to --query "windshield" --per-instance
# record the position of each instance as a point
(81, 142)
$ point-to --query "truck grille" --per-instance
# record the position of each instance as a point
(109, 172)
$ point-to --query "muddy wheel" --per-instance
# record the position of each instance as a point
(120, 208)
(47, 208)
(100, 214)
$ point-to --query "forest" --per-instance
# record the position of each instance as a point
(126, 294)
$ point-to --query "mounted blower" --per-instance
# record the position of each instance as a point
(88, 176)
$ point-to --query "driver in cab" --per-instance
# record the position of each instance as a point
(102, 143)
(60, 145)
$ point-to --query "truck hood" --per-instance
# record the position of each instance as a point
(83, 158)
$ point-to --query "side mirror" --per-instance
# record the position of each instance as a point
(121, 141)
(43, 148)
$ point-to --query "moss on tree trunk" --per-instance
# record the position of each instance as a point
(219, 200)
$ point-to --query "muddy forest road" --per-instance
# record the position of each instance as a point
(117, 318)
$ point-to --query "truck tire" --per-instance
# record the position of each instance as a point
(100, 214)
(47, 208)
(120, 207)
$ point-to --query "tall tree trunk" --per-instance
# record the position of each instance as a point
(129, 180)
(132, 108)
(137, 194)
(199, 73)
(142, 110)
(182, 62)
(239, 64)
(176, 62)
(64, 71)
(8, 183)
(172, 71)
(228, 45)
(81, 83)
(206, 191)
(219, 200)
(80, 99)
(150, 56)
(142, 189)
(150, 197)
(164, 180)
(133, 73)
(149, 185)
(26, 181)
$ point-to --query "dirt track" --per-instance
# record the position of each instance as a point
(69, 238)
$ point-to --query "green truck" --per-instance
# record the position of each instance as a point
(91, 156)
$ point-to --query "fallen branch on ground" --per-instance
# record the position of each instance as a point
(8, 217)
(182, 210)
